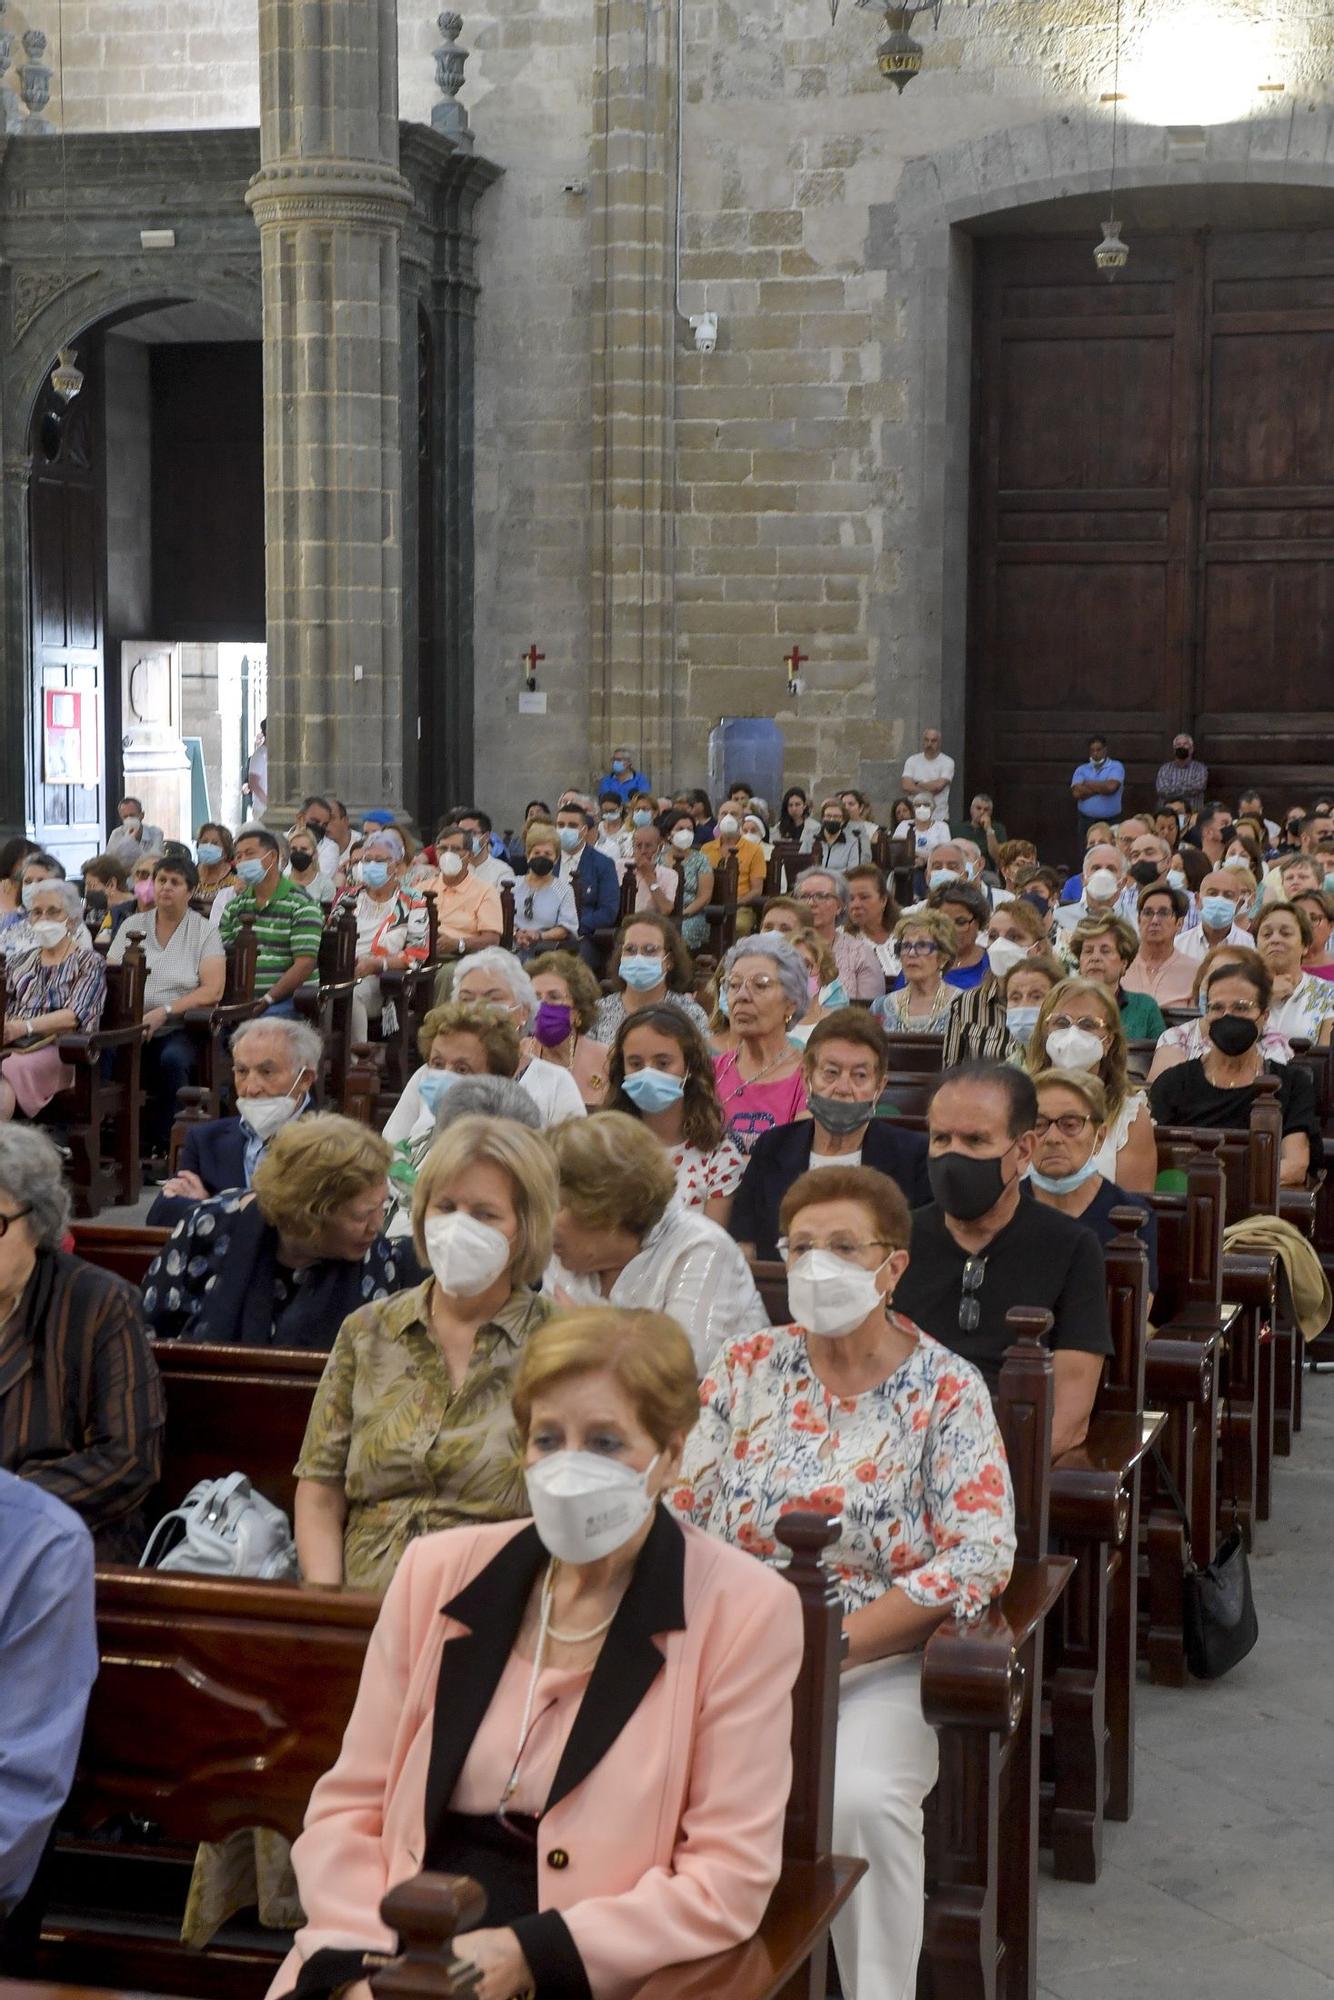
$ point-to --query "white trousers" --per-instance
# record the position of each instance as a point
(887, 1763)
(367, 1005)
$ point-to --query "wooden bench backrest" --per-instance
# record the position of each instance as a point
(913, 1054)
(126, 1252)
(234, 1409)
(1127, 1265)
(1024, 1404)
(1250, 1158)
(1190, 1235)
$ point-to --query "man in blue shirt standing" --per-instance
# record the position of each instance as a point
(48, 1663)
(1096, 788)
(623, 779)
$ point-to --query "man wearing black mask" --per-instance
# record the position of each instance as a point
(984, 1245)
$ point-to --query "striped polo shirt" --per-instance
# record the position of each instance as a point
(288, 926)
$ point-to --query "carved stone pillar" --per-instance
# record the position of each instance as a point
(330, 203)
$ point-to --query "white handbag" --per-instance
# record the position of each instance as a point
(223, 1528)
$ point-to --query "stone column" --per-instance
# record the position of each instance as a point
(330, 203)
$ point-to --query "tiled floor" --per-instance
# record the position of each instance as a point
(1221, 1887)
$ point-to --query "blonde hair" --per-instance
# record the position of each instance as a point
(936, 925)
(491, 1026)
(312, 1167)
(646, 1354)
(539, 830)
(1111, 1071)
(613, 1173)
(526, 1162)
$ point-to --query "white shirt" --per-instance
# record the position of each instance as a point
(686, 1266)
(1194, 944)
(495, 871)
(554, 1092)
(1121, 905)
(919, 770)
(173, 969)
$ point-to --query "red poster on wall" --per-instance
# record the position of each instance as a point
(69, 737)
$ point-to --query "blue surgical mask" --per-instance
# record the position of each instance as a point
(938, 877)
(1021, 1021)
(641, 972)
(251, 871)
(29, 891)
(653, 1090)
(375, 874)
(1177, 877)
(724, 1006)
(833, 994)
(569, 837)
(1329, 885)
(1218, 912)
(432, 1087)
(1064, 1183)
(209, 853)
(642, 817)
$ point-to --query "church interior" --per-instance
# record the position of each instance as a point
(667, 974)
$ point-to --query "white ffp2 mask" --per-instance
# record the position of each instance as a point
(829, 1296)
(586, 1506)
(264, 1116)
(467, 1256)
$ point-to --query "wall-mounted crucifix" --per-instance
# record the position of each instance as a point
(794, 660)
(531, 660)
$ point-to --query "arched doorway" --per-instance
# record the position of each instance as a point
(146, 574)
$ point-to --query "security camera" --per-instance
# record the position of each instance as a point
(705, 326)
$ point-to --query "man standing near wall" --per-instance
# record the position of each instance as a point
(931, 771)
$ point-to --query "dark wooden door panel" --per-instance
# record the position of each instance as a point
(1153, 515)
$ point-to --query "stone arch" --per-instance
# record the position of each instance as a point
(922, 239)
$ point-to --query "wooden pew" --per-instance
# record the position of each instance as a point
(234, 1409)
(100, 1110)
(1089, 1734)
(212, 1028)
(981, 1683)
(112, 1247)
(327, 1006)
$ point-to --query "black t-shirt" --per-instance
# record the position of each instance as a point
(1098, 1217)
(1184, 1096)
(1042, 1258)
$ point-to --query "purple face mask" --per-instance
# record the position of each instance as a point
(552, 1025)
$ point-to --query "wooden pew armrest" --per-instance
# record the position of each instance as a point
(1250, 1278)
(971, 1672)
(1181, 1370)
(226, 1014)
(808, 1894)
(1298, 1206)
(1090, 1486)
(76, 1048)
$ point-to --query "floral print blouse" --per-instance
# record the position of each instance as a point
(914, 1467)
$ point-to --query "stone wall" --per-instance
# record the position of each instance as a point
(820, 454)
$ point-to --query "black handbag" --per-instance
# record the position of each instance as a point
(1217, 1609)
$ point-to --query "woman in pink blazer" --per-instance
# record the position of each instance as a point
(589, 1712)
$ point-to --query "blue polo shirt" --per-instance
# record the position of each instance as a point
(1103, 805)
(632, 781)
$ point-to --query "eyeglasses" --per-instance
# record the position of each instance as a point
(918, 947)
(647, 951)
(763, 982)
(845, 1247)
(825, 1077)
(1070, 1124)
(817, 896)
(970, 1312)
(1087, 1023)
(1245, 1009)
(6, 1220)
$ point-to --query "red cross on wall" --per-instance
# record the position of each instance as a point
(531, 660)
(793, 662)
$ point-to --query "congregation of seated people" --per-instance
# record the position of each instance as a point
(599, 1080)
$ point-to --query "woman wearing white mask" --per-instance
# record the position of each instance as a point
(853, 1410)
(411, 1429)
(514, 1716)
(283, 1265)
(55, 988)
(1071, 1133)
(393, 930)
(691, 862)
(1079, 1027)
(979, 1028)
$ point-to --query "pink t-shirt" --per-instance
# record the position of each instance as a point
(755, 1108)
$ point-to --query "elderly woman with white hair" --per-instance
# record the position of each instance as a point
(763, 990)
(491, 978)
(393, 929)
(57, 988)
(81, 1410)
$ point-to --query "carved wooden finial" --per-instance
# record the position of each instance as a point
(428, 1913)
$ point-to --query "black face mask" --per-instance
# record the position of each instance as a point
(964, 1187)
(540, 864)
(1181, 755)
(832, 828)
(302, 859)
(1233, 1034)
(1145, 872)
(838, 1117)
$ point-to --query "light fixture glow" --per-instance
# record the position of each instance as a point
(1192, 67)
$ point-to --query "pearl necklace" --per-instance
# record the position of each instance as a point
(570, 1638)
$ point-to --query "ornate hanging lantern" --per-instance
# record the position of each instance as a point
(899, 55)
(1111, 254)
(67, 376)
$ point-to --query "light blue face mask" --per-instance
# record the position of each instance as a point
(643, 817)
(833, 994)
(29, 891)
(724, 1006)
(208, 853)
(653, 1090)
(938, 877)
(1064, 1183)
(1329, 885)
(569, 837)
(432, 1087)
(375, 874)
(251, 871)
(1021, 1021)
(1177, 877)
(641, 972)
(1218, 912)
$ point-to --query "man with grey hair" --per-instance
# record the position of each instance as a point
(823, 895)
(275, 1066)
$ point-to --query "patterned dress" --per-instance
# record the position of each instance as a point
(412, 1453)
(703, 1177)
(914, 1468)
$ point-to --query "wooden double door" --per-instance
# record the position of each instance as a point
(1153, 516)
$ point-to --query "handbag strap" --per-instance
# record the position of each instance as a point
(1173, 1492)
